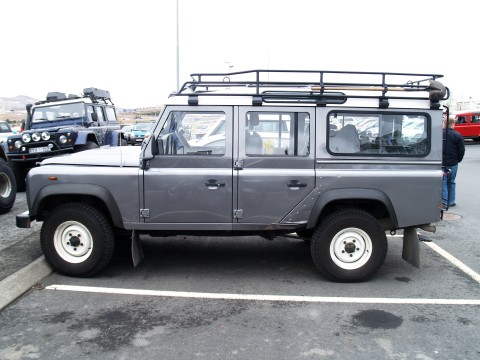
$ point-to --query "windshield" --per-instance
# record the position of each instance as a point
(58, 112)
(143, 126)
(5, 127)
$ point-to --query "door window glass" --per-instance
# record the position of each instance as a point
(193, 133)
(277, 133)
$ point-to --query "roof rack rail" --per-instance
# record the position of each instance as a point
(318, 87)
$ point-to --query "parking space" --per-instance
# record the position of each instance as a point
(245, 298)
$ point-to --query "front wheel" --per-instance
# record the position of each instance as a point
(349, 245)
(77, 239)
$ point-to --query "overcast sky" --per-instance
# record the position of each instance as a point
(129, 47)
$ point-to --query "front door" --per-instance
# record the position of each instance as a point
(276, 159)
(191, 181)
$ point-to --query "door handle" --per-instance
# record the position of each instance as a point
(214, 184)
(296, 184)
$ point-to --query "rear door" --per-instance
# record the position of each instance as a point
(275, 161)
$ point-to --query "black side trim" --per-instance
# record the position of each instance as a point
(80, 189)
(350, 194)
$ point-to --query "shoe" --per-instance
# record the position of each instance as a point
(451, 205)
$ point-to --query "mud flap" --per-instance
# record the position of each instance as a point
(411, 246)
(137, 249)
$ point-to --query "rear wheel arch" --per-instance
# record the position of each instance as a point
(373, 201)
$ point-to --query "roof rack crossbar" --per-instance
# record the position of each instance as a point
(253, 82)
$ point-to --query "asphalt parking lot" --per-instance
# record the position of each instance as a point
(248, 298)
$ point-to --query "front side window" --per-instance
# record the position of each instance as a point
(193, 133)
(461, 120)
(99, 112)
(475, 118)
(378, 134)
(277, 134)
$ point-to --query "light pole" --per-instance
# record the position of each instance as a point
(178, 54)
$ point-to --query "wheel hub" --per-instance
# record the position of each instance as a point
(351, 248)
(73, 241)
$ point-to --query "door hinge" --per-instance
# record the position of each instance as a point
(238, 164)
(238, 214)
(144, 213)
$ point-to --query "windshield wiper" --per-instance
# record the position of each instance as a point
(63, 117)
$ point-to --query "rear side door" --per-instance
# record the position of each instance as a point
(274, 165)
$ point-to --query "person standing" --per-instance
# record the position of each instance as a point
(453, 152)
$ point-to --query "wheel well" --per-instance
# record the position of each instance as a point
(375, 208)
(51, 202)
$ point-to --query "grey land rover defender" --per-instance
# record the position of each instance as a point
(336, 158)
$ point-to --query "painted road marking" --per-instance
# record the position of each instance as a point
(470, 272)
(290, 298)
(252, 297)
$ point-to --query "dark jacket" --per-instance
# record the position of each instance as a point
(455, 148)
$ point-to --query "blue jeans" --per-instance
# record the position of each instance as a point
(449, 188)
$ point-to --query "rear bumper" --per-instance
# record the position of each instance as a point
(24, 220)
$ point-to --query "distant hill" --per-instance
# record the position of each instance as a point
(16, 103)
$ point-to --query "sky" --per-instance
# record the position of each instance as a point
(130, 47)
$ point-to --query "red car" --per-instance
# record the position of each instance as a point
(468, 124)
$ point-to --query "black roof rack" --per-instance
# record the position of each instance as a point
(318, 87)
(93, 94)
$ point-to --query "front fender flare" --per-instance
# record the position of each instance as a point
(350, 194)
(69, 189)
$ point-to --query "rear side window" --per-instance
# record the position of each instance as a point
(476, 119)
(110, 114)
(277, 133)
(378, 134)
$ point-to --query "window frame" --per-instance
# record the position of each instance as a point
(366, 113)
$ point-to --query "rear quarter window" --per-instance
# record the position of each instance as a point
(377, 134)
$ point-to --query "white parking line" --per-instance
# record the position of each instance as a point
(219, 296)
(474, 275)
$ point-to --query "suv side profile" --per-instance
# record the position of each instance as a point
(317, 177)
(62, 124)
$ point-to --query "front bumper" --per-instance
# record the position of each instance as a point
(24, 220)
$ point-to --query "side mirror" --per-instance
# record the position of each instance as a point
(94, 119)
(156, 146)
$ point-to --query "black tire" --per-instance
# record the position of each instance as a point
(77, 240)
(349, 245)
(20, 173)
(8, 187)
(87, 146)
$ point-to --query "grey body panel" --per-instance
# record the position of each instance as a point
(202, 192)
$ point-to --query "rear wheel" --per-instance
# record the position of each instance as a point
(77, 239)
(349, 245)
(8, 187)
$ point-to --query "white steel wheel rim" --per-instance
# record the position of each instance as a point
(351, 248)
(5, 186)
(73, 242)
